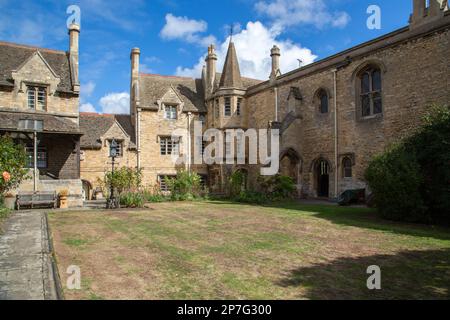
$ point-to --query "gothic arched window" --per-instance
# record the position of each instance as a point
(347, 167)
(323, 101)
(370, 91)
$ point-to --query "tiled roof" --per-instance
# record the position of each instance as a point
(95, 125)
(52, 124)
(12, 56)
(153, 87)
(231, 75)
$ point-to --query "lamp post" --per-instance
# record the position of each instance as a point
(112, 201)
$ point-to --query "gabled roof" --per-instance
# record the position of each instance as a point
(231, 75)
(95, 125)
(153, 88)
(12, 56)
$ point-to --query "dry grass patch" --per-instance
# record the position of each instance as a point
(219, 250)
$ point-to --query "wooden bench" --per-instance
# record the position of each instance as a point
(37, 199)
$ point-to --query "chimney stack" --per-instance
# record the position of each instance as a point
(134, 85)
(211, 60)
(423, 14)
(74, 35)
(275, 53)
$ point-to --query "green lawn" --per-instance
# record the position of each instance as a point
(219, 250)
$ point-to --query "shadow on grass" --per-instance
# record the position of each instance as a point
(406, 275)
(363, 218)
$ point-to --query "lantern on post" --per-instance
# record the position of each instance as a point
(113, 152)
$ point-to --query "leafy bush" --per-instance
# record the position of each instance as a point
(237, 181)
(12, 164)
(132, 200)
(278, 187)
(410, 181)
(154, 195)
(251, 197)
(186, 186)
(394, 178)
(123, 179)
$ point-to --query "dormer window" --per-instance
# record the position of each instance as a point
(170, 112)
(37, 98)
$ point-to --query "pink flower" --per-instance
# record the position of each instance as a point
(6, 176)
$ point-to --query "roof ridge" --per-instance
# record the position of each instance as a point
(166, 76)
(24, 46)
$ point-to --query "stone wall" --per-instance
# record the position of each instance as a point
(415, 75)
(95, 164)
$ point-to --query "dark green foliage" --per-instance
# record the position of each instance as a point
(277, 187)
(123, 179)
(411, 180)
(237, 183)
(394, 178)
(132, 200)
(12, 162)
(185, 187)
(273, 188)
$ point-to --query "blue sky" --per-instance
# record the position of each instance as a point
(173, 35)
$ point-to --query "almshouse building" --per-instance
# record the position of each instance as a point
(334, 115)
(39, 103)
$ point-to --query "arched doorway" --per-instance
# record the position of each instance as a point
(323, 178)
(290, 165)
(87, 187)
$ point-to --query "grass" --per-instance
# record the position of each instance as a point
(223, 250)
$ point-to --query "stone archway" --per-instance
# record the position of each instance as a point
(87, 189)
(321, 171)
(290, 164)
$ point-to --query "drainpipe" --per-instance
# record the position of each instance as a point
(138, 137)
(189, 143)
(276, 104)
(336, 156)
(34, 161)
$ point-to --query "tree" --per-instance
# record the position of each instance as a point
(12, 165)
(411, 180)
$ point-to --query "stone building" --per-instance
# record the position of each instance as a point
(334, 115)
(39, 103)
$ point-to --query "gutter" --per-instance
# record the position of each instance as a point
(336, 151)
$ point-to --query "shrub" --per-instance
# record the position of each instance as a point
(123, 179)
(153, 195)
(237, 181)
(394, 178)
(277, 187)
(251, 197)
(12, 164)
(186, 186)
(132, 200)
(410, 181)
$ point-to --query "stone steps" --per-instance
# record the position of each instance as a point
(95, 204)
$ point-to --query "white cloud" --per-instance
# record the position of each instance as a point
(116, 103)
(87, 107)
(189, 30)
(253, 46)
(287, 13)
(87, 89)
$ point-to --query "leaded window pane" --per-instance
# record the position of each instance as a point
(365, 83)
(377, 103)
(365, 105)
(323, 102)
(376, 80)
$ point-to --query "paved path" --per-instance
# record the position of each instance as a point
(25, 262)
